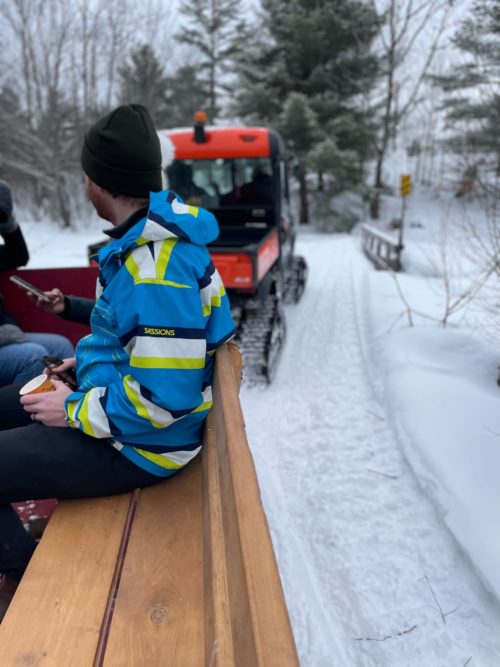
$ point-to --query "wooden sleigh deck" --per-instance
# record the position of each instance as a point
(179, 574)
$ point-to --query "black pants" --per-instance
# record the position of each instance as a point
(38, 462)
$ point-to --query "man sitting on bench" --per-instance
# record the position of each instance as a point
(143, 375)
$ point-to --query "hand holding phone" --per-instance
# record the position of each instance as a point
(52, 301)
(62, 369)
(25, 285)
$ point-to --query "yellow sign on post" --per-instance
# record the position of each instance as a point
(405, 185)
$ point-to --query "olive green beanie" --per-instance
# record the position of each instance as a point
(121, 152)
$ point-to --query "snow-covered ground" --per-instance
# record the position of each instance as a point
(377, 449)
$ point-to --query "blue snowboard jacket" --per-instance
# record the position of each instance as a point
(145, 371)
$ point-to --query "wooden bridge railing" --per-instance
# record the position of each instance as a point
(382, 250)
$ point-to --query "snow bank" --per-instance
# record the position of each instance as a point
(439, 387)
(442, 396)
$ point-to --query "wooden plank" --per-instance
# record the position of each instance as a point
(113, 590)
(218, 632)
(55, 618)
(261, 628)
(236, 364)
(158, 615)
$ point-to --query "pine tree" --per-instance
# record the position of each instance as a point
(299, 124)
(473, 103)
(321, 50)
(217, 32)
(143, 81)
(185, 95)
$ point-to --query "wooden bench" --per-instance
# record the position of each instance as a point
(180, 574)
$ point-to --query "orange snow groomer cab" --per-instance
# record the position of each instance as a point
(241, 175)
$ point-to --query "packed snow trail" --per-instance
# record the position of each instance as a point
(365, 561)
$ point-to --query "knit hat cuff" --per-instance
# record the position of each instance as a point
(120, 181)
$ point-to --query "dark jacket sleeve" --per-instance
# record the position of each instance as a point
(14, 252)
(77, 309)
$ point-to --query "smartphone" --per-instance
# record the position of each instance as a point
(20, 282)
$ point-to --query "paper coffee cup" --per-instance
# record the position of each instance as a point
(37, 385)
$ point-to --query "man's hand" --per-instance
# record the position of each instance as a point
(60, 372)
(48, 407)
(56, 303)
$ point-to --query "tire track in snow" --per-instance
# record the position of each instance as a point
(312, 351)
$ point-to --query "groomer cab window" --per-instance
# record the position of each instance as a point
(222, 181)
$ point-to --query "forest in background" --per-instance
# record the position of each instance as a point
(344, 81)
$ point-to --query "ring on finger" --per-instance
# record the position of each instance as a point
(33, 416)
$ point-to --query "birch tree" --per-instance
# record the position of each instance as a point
(60, 65)
(410, 33)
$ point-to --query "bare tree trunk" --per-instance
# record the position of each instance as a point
(387, 118)
(407, 21)
(386, 131)
(113, 50)
(304, 205)
(63, 202)
(212, 95)
(321, 182)
(85, 49)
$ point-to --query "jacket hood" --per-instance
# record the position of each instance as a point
(167, 217)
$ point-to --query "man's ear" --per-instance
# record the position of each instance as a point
(91, 186)
(95, 191)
